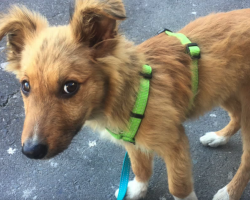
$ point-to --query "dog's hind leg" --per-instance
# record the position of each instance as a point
(214, 139)
(179, 168)
(235, 188)
(142, 165)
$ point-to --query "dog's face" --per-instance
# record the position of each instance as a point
(60, 87)
(62, 82)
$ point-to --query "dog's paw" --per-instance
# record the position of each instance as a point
(213, 140)
(136, 190)
(191, 196)
(222, 194)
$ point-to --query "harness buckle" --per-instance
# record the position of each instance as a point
(193, 50)
(163, 30)
(146, 72)
(135, 115)
(146, 76)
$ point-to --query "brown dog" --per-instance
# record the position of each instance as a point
(87, 72)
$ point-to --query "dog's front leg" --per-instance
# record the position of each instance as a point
(142, 166)
(177, 158)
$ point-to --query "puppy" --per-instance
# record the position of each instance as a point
(87, 73)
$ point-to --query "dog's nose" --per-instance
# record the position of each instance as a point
(34, 150)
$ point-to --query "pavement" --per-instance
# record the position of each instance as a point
(90, 168)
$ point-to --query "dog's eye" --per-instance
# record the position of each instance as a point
(25, 87)
(70, 87)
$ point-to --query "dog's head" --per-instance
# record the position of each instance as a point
(59, 68)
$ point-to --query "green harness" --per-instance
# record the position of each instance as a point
(194, 51)
(139, 108)
(142, 98)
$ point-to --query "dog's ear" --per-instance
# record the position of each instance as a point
(19, 25)
(94, 21)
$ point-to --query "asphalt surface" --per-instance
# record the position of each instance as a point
(90, 168)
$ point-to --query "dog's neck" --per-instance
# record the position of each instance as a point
(123, 69)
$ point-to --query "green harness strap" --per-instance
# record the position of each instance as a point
(139, 108)
(141, 101)
(194, 51)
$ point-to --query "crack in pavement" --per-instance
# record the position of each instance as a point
(10, 96)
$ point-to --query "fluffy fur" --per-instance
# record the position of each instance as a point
(192, 196)
(92, 53)
(135, 190)
(213, 140)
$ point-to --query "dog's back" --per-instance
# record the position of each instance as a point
(224, 41)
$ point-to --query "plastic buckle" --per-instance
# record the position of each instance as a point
(135, 115)
(196, 56)
(126, 139)
(146, 76)
(163, 30)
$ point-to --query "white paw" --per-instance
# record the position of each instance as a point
(191, 196)
(136, 190)
(222, 194)
(213, 140)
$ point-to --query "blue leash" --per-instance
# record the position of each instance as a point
(124, 177)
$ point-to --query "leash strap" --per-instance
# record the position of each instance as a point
(124, 177)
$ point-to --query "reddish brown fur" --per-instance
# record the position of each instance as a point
(90, 51)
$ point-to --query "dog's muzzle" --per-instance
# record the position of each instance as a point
(34, 150)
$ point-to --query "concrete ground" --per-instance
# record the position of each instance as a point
(90, 168)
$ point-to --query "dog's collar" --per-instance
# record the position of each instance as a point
(194, 51)
(139, 108)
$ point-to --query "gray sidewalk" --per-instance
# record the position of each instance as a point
(90, 168)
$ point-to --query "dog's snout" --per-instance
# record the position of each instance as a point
(34, 150)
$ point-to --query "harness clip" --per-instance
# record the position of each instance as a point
(193, 50)
(163, 30)
(146, 76)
